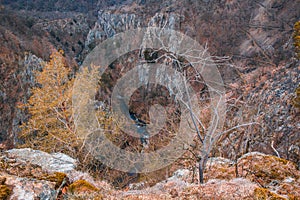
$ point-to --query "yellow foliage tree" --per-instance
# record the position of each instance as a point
(296, 37)
(296, 100)
(50, 126)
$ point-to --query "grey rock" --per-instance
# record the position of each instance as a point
(109, 24)
(56, 162)
(181, 174)
(30, 189)
(31, 63)
(288, 180)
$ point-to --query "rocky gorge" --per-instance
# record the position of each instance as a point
(261, 75)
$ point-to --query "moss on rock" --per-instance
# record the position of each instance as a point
(264, 194)
(5, 192)
(296, 100)
(57, 177)
(296, 37)
(82, 186)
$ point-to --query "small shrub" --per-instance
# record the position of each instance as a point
(264, 194)
(296, 37)
(82, 186)
(5, 191)
(296, 100)
(57, 177)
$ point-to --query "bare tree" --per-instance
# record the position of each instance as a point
(191, 76)
(187, 62)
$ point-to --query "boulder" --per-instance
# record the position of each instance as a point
(55, 162)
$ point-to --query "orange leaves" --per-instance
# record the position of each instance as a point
(50, 108)
(296, 37)
(296, 100)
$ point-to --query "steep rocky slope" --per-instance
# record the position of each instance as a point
(264, 96)
(23, 41)
(242, 29)
(254, 34)
(262, 75)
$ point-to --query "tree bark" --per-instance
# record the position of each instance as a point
(202, 164)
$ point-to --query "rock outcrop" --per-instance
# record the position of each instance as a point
(30, 174)
(55, 162)
(108, 24)
(25, 175)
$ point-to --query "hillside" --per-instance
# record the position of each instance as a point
(251, 42)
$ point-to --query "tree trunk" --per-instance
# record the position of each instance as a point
(202, 164)
(201, 171)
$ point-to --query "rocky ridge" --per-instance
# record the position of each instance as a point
(27, 176)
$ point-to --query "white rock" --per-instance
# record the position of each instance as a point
(180, 174)
(288, 180)
(56, 162)
(254, 153)
(137, 186)
(219, 161)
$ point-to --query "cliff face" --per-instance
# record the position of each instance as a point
(244, 30)
(112, 22)
(108, 24)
